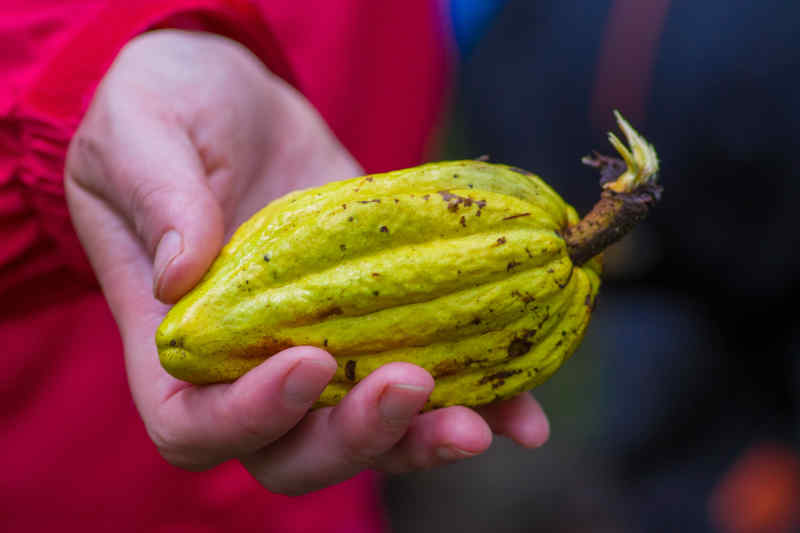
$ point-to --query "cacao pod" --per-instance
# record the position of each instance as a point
(460, 267)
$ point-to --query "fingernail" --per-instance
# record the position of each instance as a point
(451, 453)
(400, 402)
(306, 380)
(169, 247)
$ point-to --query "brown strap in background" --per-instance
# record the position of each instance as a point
(626, 59)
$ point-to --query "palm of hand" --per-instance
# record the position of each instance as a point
(187, 136)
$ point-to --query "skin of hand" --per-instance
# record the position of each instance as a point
(186, 137)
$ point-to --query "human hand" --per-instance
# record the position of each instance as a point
(186, 137)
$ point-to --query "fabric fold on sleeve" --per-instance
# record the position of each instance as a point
(65, 87)
(50, 110)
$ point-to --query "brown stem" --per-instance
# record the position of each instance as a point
(613, 216)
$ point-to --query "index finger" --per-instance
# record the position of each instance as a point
(200, 426)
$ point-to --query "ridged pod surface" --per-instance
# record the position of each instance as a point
(459, 267)
(480, 273)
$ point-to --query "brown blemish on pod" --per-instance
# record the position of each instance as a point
(447, 367)
(450, 367)
(518, 347)
(517, 216)
(525, 298)
(350, 370)
(498, 378)
(454, 201)
(569, 278)
(331, 311)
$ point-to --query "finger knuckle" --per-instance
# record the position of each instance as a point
(283, 487)
(174, 449)
(84, 160)
(359, 453)
(145, 195)
(171, 449)
(277, 481)
(181, 461)
(249, 421)
(144, 205)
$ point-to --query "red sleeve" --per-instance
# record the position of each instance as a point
(66, 85)
(50, 109)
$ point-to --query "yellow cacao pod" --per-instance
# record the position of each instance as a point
(459, 267)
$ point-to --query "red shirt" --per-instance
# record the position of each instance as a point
(74, 451)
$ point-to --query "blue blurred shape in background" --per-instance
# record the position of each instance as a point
(470, 18)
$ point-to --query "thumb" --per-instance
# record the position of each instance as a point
(155, 180)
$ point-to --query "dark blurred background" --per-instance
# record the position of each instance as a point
(680, 410)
